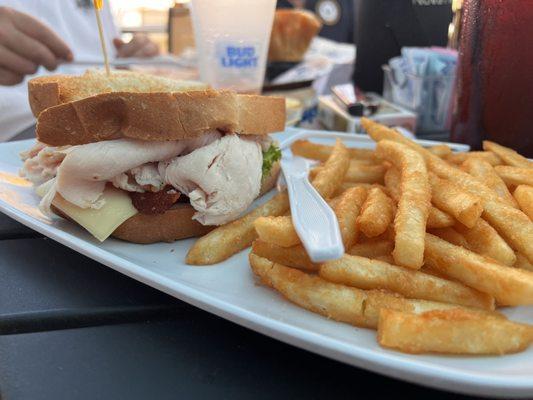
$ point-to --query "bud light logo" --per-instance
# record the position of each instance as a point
(239, 57)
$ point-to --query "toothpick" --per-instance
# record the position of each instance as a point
(98, 4)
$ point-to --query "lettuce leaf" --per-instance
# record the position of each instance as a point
(270, 157)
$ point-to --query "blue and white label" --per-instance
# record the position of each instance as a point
(238, 56)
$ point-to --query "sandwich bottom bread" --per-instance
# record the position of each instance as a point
(141, 181)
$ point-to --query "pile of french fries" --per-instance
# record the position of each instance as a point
(435, 241)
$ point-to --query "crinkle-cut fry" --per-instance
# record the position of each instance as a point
(278, 230)
(486, 156)
(372, 249)
(338, 302)
(227, 240)
(455, 331)
(486, 174)
(512, 224)
(509, 286)
(321, 152)
(524, 196)
(509, 156)
(515, 175)
(436, 219)
(461, 204)
(331, 175)
(365, 273)
(450, 235)
(413, 205)
(377, 213)
(361, 173)
(483, 239)
(440, 150)
(347, 210)
(294, 257)
(523, 262)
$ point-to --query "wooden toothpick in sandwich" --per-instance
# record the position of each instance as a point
(98, 4)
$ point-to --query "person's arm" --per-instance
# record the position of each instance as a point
(25, 44)
(139, 46)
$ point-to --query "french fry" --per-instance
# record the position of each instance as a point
(413, 205)
(348, 185)
(440, 150)
(372, 249)
(438, 332)
(436, 219)
(524, 196)
(226, 240)
(347, 210)
(364, 273)
(483, 239)
(509, 286)
(486, 156)
(486, 174)
(515, 175)
(362, 173)
(278, 230)
(454, 200)
(522, 262)
(338, 302)
(439, 219)
(509, 156)
(450, 235)
(376, 214)
(315, 151)
(512, 224)
(294, 257)
(331, 175)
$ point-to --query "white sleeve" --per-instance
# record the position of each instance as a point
(15, 113)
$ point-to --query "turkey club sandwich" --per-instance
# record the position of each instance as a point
(149, 159)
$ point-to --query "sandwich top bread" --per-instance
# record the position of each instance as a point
(151, 166)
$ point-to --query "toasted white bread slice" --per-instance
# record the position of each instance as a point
(159, 116)
(49, 91)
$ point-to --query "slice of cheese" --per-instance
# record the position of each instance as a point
(102, 222)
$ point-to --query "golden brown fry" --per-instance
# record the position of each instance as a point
(372, 249)
(361, 173)
(485, 156)
(522, 262)
(524, 196)
(278, 230)
(450, 235)
(315, 151)
(509, 286)
(515, 175)
(413, 205)
(436, 219)
(377, 213)
(441, 150)
(512, 224)
(483, 239)
(364, 273)
(224, 241)
(338, 302)
(456, 331)
(331, 175)
(347, 210)
(454, 200)
(294, 257)
(439, 219)
(486, 174)
(348, 185)
(509, 156)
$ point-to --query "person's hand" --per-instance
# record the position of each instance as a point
(139, 46)
(25, 44)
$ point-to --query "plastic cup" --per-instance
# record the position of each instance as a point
(232, 38)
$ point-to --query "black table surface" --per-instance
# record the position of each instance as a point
(71, 328)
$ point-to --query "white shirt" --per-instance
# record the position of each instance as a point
(76, 25)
